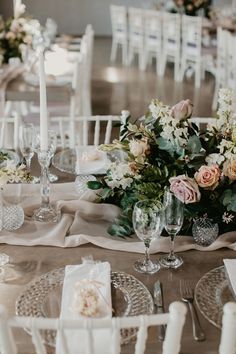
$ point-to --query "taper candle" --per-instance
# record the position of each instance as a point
(43, 105)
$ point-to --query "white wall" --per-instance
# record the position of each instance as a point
(72, 16)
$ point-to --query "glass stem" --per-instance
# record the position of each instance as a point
(172, 247)
(147, 246)
(45, 187)
(28, 163)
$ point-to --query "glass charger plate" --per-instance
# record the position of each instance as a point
(42, 298)
(9, 156)
(211, 293)
(65, 160)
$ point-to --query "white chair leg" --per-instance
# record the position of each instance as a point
(198, 75)
(163, 65)
(141, 59)
(8, 108)
(177, 75)
(113, 50)
(125, 53)
(215, 96)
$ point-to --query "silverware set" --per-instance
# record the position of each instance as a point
(187, 295)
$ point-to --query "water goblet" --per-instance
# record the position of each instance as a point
(27, 135)
(147, 221)
(174, 216)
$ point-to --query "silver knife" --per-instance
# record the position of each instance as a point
(159, 307)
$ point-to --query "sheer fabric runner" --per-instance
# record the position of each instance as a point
(85, 222)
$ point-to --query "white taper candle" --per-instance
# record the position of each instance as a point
(43, 105)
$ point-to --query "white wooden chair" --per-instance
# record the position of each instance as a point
(221, 64)
(136, 35)
(86, 130)
(171, 43)
(119, 32)
(203, 121)
(228, 337)
(231, 62)
(9, 131)
(153, 37)
(191, 46)
(174, 319)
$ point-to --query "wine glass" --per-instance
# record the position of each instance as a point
(147, 222)
(27, 135)
(174, 216)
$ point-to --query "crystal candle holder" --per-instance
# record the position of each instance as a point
(205, 231)
(46, 212)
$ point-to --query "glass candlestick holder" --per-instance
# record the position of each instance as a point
(46, 212)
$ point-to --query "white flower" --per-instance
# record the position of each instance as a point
(213, 159)
(19, 9)
(227, 218)
(120, 175)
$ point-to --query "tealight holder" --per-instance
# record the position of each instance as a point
(46, 212)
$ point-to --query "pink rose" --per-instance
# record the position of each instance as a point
(185, 189)
(229, 169)
(208, 176)
(182, 110)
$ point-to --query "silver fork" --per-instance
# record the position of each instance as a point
(187, 295)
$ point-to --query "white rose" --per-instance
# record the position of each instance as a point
(139, 147)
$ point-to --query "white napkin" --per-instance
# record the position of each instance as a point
(230, 266)
(89, 160)
(76, 275)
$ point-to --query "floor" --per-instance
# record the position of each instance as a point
(115, 87)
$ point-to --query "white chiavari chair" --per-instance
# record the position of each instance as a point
(9, 131)
(119, 32)
(171, 43)
(86, 130)
(231, 61)
(191, 46)
(228, 338)
(153, 37)
(136, 36)
(221, 64)
(174, 319)
(203, 121)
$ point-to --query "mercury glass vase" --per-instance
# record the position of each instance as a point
(205, 231)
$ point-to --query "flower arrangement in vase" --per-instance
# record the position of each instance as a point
(166, 150)
(17, 33)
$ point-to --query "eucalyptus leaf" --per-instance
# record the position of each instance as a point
(94, 185)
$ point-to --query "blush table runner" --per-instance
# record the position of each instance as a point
(84, 221)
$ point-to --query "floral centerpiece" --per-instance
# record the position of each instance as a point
(14, 174)
(165, 149)
(16, 33)
(190, 7)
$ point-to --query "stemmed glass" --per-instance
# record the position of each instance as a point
(147, 223)
(174, 216)
(27, 136)
(46, 212)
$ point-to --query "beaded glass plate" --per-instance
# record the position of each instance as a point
(42, 298)
(211, 293)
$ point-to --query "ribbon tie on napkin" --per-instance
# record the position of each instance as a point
(80, 282)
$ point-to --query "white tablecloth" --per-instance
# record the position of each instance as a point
(84, 221)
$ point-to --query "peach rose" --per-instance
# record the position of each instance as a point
(139, 147)
(185, 189)
(229, 169)
(182, 110)
(208, 176)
